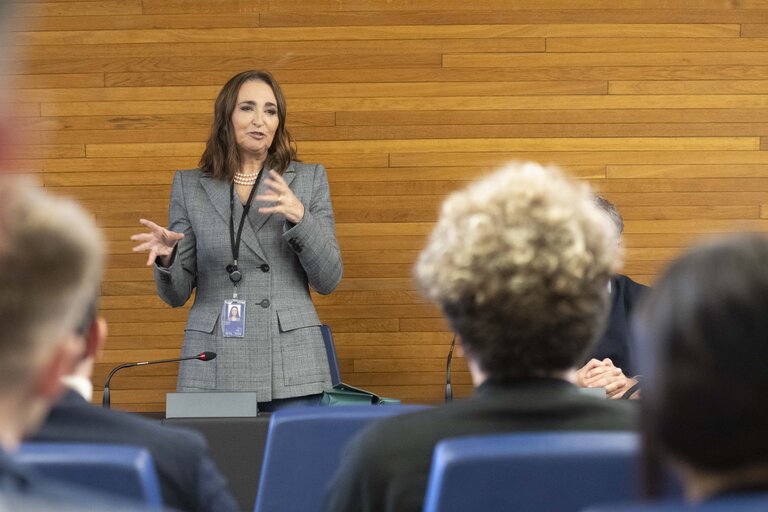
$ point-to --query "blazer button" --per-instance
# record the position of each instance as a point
(264, 303)
(264, 268)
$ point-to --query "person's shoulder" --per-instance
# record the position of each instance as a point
(130, 426)
(305, 167)
(629, 283)
(609, 414)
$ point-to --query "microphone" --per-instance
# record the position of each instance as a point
(202, 356)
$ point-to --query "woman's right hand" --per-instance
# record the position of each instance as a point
(158, 241)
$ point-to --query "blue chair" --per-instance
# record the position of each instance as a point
(732, 503)
(304, 447)
(127, 471)
(330, 351)
(552, 471)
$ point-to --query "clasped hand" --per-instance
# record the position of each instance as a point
(603, 374)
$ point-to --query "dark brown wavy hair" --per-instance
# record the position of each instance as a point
(221, 158)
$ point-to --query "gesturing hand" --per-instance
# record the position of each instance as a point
(286, 202)
(159, 242)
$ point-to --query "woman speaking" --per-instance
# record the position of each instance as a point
(252, 229)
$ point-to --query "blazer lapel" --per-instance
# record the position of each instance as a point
(257, 219)
(218, 193)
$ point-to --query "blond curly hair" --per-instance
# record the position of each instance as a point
(519, 262)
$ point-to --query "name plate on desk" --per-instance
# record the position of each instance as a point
(218, 404)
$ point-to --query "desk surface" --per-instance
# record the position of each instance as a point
(237, 447)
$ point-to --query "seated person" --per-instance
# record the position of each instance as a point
(611, 362)
(50, 263)
(189, 479)
(518, 263)
(703, 335)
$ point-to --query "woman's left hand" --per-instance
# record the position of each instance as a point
(286, 202)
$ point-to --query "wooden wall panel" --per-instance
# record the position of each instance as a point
(663, 109)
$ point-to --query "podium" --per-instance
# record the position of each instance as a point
(211, 404)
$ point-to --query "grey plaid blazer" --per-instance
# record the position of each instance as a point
(282, 354)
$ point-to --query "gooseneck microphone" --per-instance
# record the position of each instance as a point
(202, 356)
(448, 390)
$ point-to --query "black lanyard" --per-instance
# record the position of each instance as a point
(234, 273)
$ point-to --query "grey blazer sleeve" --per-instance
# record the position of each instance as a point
(314, 238)
(175, 283)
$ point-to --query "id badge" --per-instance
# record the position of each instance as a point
(233, 318)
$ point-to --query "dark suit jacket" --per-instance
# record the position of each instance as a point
(386, 466)
(617, 342)
(189, 480)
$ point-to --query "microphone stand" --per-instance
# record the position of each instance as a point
(105, 400)
(448, 389)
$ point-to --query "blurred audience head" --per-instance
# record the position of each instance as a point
(610, 209)
(703, 331)
(518, 262)
(50, 266)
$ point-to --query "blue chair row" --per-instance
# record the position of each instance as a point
(504, 472)
(304, 447)
(552, 471)
(126, 471)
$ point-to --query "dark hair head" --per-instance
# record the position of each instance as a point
(609, 208)
(703, 335)
(221, 158)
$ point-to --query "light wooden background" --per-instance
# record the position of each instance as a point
(662, 105)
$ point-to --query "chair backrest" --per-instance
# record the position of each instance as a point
(738, 502)
(552, 471)
(304, 447)
(127, 471)
(330, 351)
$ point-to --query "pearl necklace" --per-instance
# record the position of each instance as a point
(246, 179)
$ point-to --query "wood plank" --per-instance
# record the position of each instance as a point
(231, 64)
(686, 171)
(555, 117)
(97, 7)
(121, 136)
(665, 199)
(738, 211)
(755, 29)
(21, 110)
(764, 211)
(524, 130)
(34, 151)
(177, 149)
(421, 180)
(521, 60)
(145, 21)
(290, 6)
(682, 44)
(554, 102)
(359, 339)
(682, 184)
(479, 14)
(566, 158)
(383, 283)
(689, 87)
(696, 226)
(62, 80)
(532, 144)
